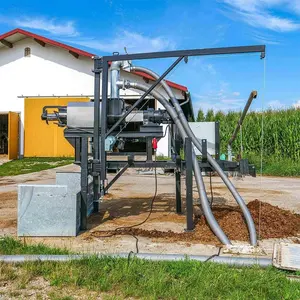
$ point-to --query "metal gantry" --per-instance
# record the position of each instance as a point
(101, 66)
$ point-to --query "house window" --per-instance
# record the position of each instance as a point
(27, 52)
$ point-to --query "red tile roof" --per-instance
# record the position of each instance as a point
(77, 51)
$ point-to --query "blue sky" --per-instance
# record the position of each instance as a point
(143, 26)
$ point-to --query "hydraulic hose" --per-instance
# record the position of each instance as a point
(213, 163)
(198, 176)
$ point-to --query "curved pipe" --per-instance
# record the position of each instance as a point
(214, 164)
(198, 176)
(229, 260)
(115, 76)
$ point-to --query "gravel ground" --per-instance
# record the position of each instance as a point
(128, 204)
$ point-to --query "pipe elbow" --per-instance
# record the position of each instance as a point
(116, 65)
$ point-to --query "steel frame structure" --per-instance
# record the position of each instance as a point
(98, 166)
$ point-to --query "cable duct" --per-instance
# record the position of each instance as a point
(229, 260)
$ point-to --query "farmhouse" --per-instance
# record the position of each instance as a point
(35, 72)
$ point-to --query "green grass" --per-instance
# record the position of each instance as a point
(33, 164)
(276, 167)
(154, 280)
(161, 157)
(11, 246)
(165, 280)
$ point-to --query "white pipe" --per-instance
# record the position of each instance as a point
(115, 76)
(229, 260)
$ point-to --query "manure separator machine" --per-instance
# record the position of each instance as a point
(109, 122)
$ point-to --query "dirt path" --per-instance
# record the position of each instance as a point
(10, 183)
(128, 204)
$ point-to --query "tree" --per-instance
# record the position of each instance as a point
(200, 116)
(210, 116)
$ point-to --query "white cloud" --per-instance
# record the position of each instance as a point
(297, 104)
(49, 25)
(133, 41)
(220, 98)
(275, 104)
(227, 105)
(199, 62)
(67, 31)
(265, 38)
(209, 68)
(53, 26)
(257, 13)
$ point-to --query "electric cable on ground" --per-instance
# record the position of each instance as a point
(119, 230)
(262, 147)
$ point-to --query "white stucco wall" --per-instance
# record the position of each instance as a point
(50, 71)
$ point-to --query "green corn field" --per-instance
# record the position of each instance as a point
(281, 134)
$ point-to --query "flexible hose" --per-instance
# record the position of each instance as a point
(198, 176)
(213, 163)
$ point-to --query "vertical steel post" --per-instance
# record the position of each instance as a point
(77, 150)
(149, 148)
(217, 140)
(178, 175)
(84, 182)
(189, 184)
(96, 152)
(103, 126)
(204, 150)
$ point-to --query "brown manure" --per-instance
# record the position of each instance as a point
(270, 221)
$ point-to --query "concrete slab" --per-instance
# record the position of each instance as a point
(50, 210)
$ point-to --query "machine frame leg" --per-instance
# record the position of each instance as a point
(178, 176)
(149, 148)
(189, 185)
(178, 191)
(84, 183)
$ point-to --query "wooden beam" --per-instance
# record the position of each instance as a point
(43, 44)
(6, 43)
(76, 55)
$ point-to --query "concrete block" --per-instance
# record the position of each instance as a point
(47, 210)
(70, 179)
(73, 181)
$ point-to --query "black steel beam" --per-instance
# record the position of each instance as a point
(96, 150)
(118, 175)
(84, 183)
(217, 140)
(178, 172)
(97, 72)
(149, 148)
(103, 125)
(205, 166)
(204, 150)
(189, 185)
(193, 52)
